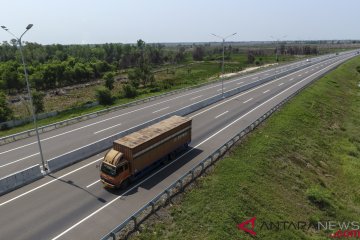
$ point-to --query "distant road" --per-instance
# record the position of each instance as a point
(72, 203)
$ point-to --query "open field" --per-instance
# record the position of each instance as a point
(301, 165)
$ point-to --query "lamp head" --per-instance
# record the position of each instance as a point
(29, 26)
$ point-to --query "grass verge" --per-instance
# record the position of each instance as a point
(301, 165)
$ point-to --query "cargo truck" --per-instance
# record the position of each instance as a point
(137, 153)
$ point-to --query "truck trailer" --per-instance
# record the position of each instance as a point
(134, 154)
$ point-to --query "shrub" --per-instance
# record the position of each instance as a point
(5, 112)
(129, 91)
(38, 101)
(104, 96)
(109, 80)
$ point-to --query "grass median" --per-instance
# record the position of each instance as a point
(301, 165)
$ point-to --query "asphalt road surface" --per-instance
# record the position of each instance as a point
(24, 153)
(72, 203)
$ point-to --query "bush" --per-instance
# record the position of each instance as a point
(109, 80)
(38, 101)
(104, 96)
(358, 69)
(5, 112)
(129, 91)
(155, 88)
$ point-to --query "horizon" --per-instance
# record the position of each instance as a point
(80, 22)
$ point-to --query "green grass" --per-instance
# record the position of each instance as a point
(301, 165)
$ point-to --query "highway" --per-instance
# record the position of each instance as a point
(24, 153)
(72, 204)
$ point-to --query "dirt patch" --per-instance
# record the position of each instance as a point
(249, 69)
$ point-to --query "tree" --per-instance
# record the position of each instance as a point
(5, 111)
(104, 96)
(143, 75)
(198, 53)
(38, 101)
(10, 76)
(134, 78)
(129, 91)
(250, 57)
(180, 55)
(109, 80)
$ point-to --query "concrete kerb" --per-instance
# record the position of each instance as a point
(20, 178)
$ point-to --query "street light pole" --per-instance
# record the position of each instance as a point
(29, 90)
(277, 50)
(223, 60)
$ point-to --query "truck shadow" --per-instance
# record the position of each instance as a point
(79, 187)
(158, 174)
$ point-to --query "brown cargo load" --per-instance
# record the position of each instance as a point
(145, 146)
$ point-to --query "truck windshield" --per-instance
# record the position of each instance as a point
(108, 169)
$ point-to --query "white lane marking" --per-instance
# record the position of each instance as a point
(18, 160)
(254, 78)
(139, 109)
(84, 219)
(291, 79)
(93, 183)
(248, 100)
(266, 74)
(281, 84)
(239, 83)
(229, 99)
(299, 75)
(107, 128)
(306, 72)
(152, 174)
(13, 149)
(221, 114)
(224, 128)
(45, 184)
(266, 91)
(196, 97)
(220, 89)
(243, 93)
(161, 109)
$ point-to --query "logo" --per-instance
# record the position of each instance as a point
(242, 225)
(349, 229)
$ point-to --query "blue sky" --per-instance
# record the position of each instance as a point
(95, 21)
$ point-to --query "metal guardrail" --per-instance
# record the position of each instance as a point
(49, 127)
(162, 199)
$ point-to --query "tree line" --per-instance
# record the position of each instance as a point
(53, 66)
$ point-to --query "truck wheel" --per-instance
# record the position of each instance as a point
(172, 156)
(125, 184)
